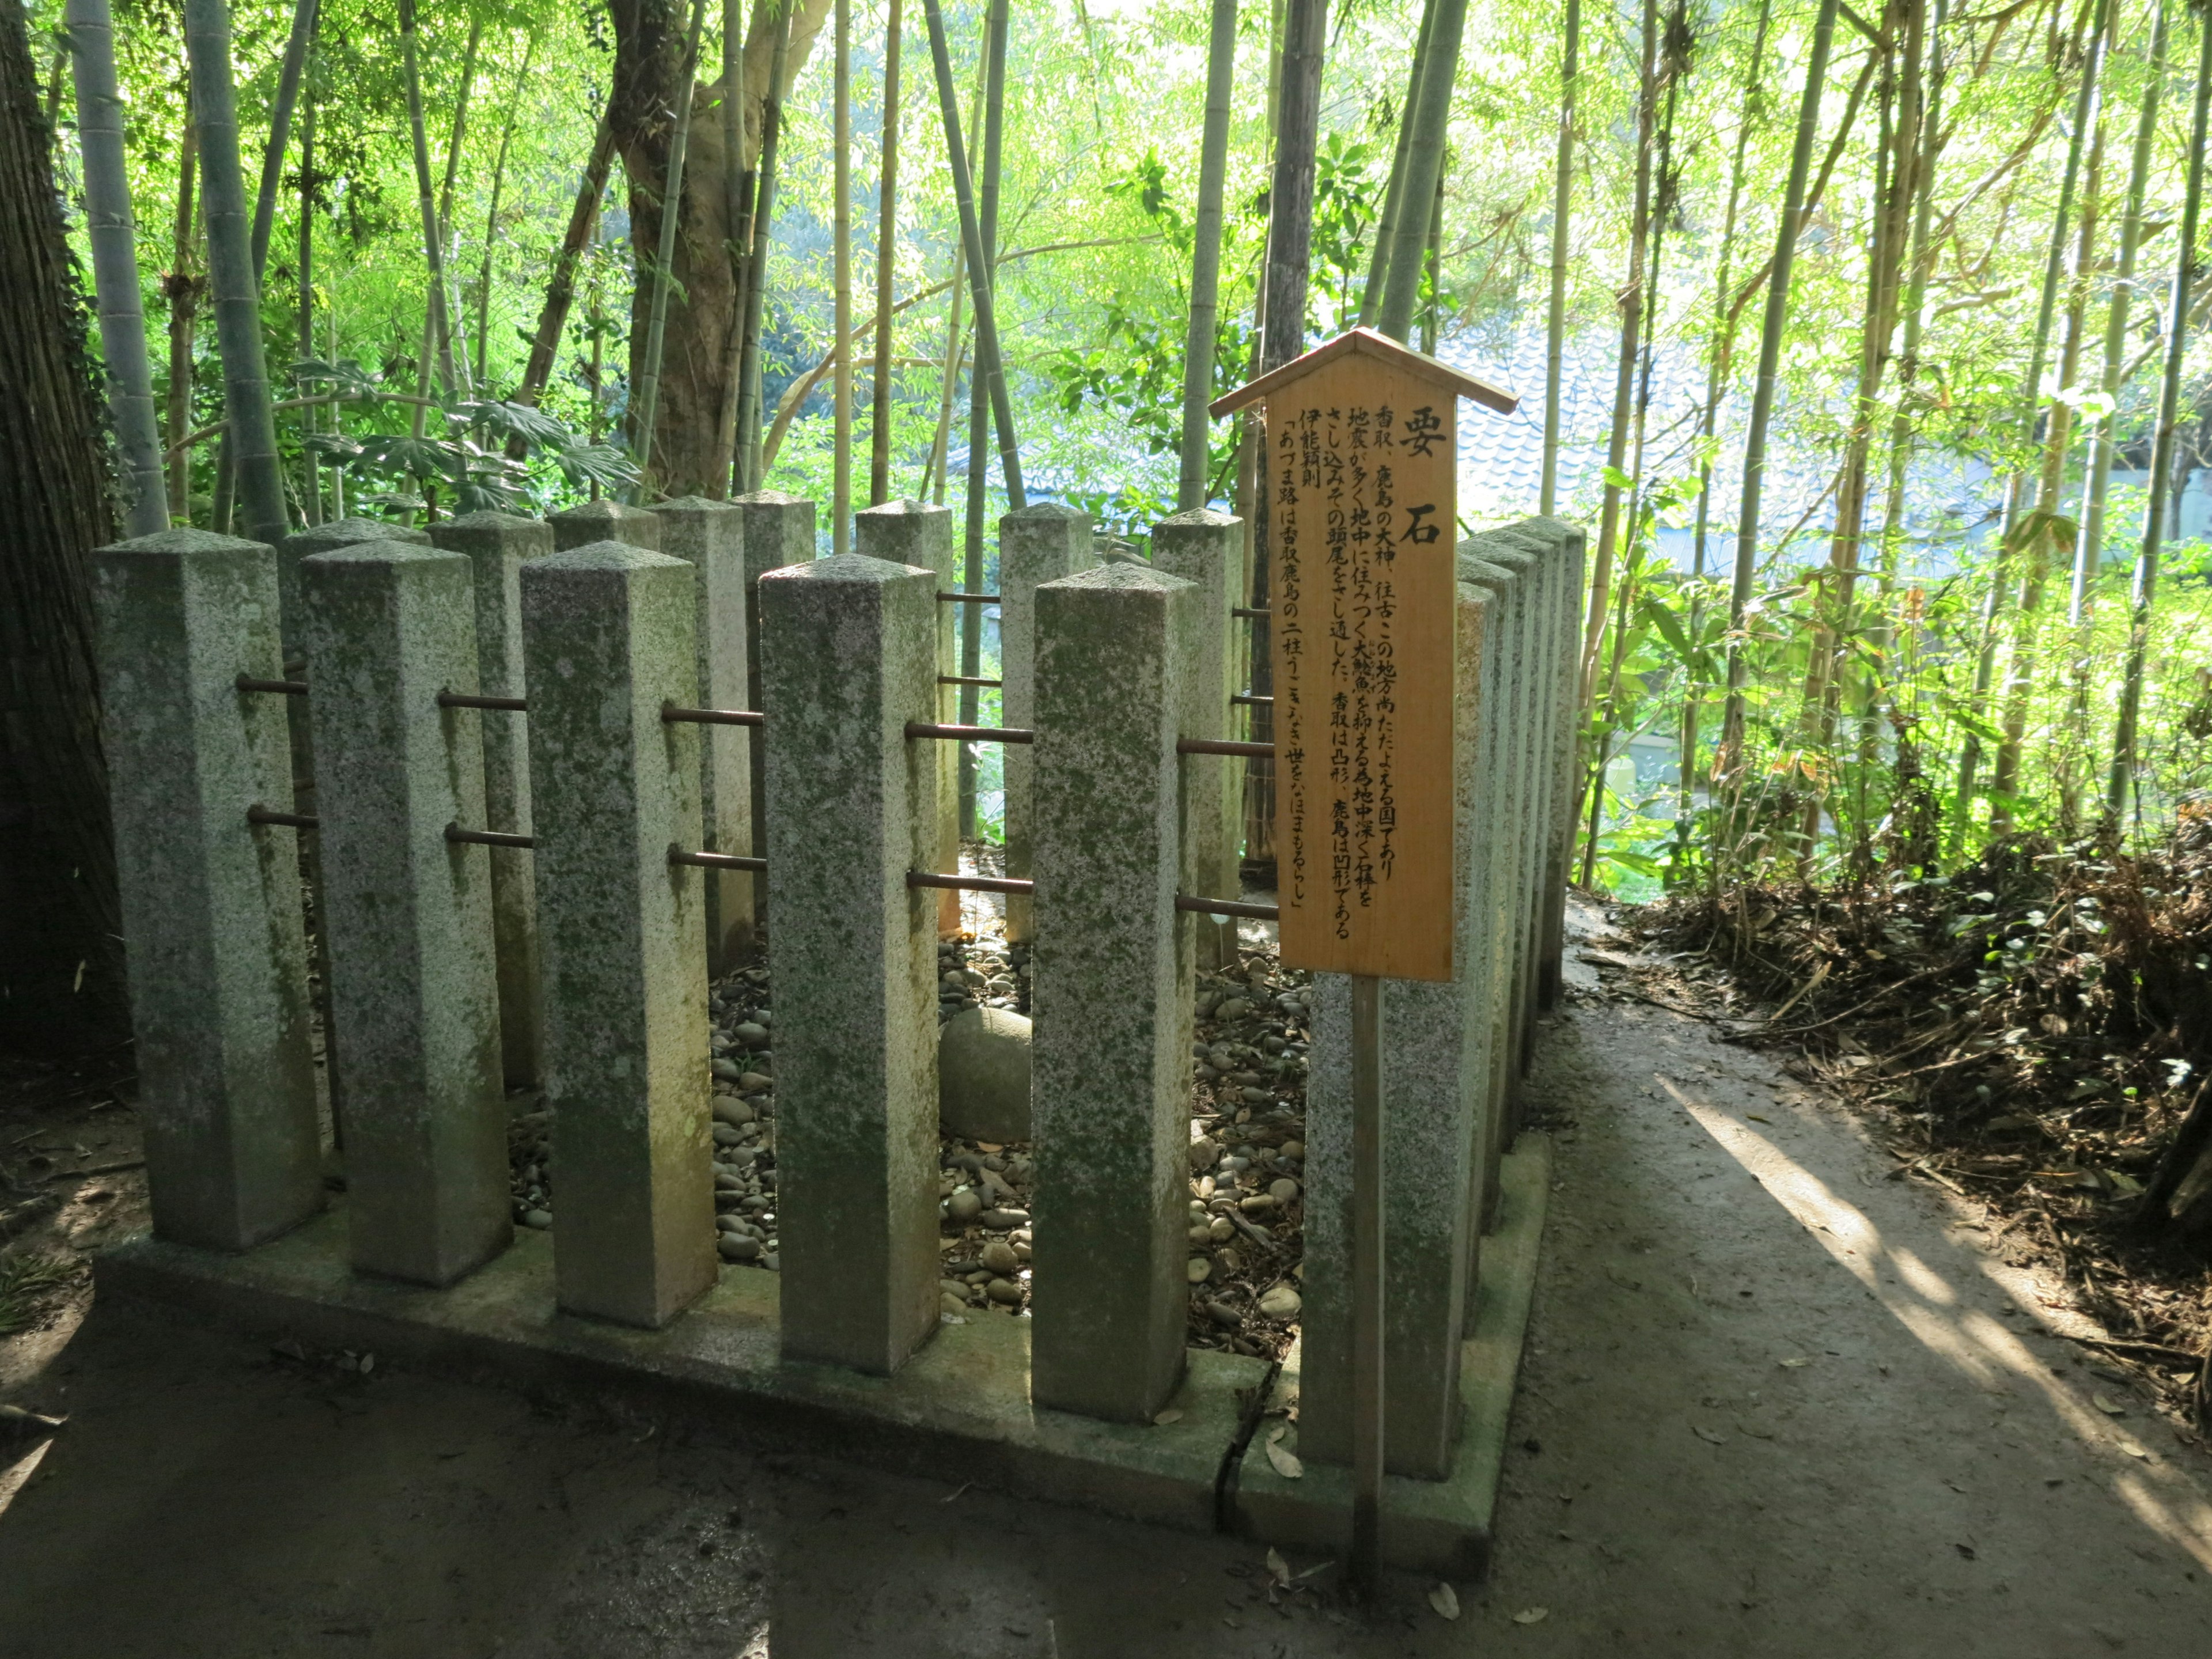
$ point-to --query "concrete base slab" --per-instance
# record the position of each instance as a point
(1439, 1527)
(959, 1409)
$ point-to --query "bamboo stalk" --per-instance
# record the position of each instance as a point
(1205, 259)
(763, 230)
(880, 406)
(1555, 328)
(974, 577)
(183, 287)
(280, 125)
(1386, 226)
(671, 214)
(440, 340)
(841, 466)
(1425, 155)
(491, 214)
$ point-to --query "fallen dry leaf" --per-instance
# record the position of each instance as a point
(1532, 1615)
(1278, 1568)
(1794, 1364)
(1756, 1118)
(2106, 1404)
(2134, 1450)
(1285, 1461)
(1170, 1415)
(1707, 1434)
(1445, 1600)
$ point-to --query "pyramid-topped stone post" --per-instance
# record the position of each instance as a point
(497, 544)
(920, 533)
(778, 533)
(1038, 544)
(605, 520)
(212, 930)
(1207, 548)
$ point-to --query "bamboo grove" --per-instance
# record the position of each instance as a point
(1871, 345)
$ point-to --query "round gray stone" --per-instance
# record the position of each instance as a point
(983, 1075)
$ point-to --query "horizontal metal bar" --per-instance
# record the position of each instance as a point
(1251, 610)
(469, 700)
(1229, 907)
(1223, 746)
(290, 820)
(282, 688)
(969, 884)
(1250, 701)
(944, 597)
(970, 733)
(670, 713)
(965, 679)
(716, 860)
(488, 837)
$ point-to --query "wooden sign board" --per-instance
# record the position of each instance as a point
(1362, 529)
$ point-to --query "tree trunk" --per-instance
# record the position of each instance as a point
(439, 335)
(648, 363)
(1191, 491)
(2020, 668)
(1393, 192)
(1719, 354)
(979, 433)
(560, 287)
(311, 496)
(1632, 333)
(61, 972)
(183, 287)
(879, 403)
(251, 438)
(491, 214)
(1555, 330)
(1729, 763)
(452, 312)
(279, 129)
(753, 466)
(115, 267)
(649, 84)
(2090, 549)
(1283, 333)
(2144, 598)
(1424, 157)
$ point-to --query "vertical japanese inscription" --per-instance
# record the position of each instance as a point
(1360, 462)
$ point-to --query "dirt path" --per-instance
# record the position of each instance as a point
(1935, 1476)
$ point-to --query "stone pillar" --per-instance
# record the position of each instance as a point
(779, 531)
(320, 538)
(497, 543)
(710, 536)
(211, 920)
(1111, 1044)
(849, 656)
(608, 632)
(1570, 538)
(1207, 548)
(606, 520)
(1435, 1082)
(1037, 544)
(918, 533)
(414, 975)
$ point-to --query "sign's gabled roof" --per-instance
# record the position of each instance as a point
(1366, 343)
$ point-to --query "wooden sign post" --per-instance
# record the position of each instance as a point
(1361, 470)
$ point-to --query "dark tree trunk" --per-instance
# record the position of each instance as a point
(649, 36)
(61, 981)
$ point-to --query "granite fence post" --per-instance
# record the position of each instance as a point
(849, 656)
(606, 520)
(710, 536)
(1037, 544)
(414, 974)
(497, 543)
(1435, 1084)
(211, 916)
(321, 538)
(1207, 548)
(608, 635)
(1566, 759)
(920, 534)
(1116, 651)
(779, 531)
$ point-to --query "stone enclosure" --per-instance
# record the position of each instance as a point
(545, 779)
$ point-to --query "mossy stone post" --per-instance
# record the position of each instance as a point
(920, 533)
(414, 973)
(211, 920)
(1565, 758)
(1115, 649)
(1500, 868)
(301, 544)
(1435, 1074)
(1038, 544)
(1207, 548)
(496, 545)
(849, 657)
(608, 632)
(710, 537)
(605, 520)
(779, 531)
